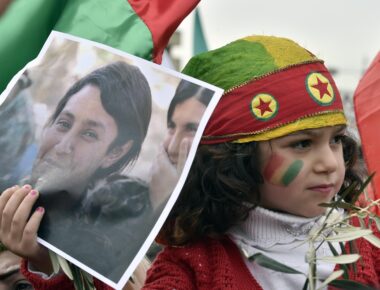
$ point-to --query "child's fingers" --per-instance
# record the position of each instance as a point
(11, 207)
(4, 197)
(29, 238)
(27, 246)
(22, 214)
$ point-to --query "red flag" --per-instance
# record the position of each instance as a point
(367, 111)
(162, 17)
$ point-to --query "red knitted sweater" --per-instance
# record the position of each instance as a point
(212, 264)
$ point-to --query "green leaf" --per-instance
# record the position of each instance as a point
(335, 253)
(65, 267)
(348, 229)
(54, 262)
(349, 285)
(349, 190)
(332, 277)
(352, 247)
(342, 259)
(373, 240)
(306, 285)
(88, 280)
(81, 279)
(340, 204)
(269, 263)
(332, 249)
(342, 247)
(349, 236)
(377, 221)
(78, 282)
(362, 222)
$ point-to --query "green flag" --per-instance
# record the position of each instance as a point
(24, 28)
(139, 27)
(199, 41)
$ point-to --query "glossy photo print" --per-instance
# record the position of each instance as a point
(107, 139)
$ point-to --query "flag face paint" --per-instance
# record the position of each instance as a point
(292, 172)
(280, 171)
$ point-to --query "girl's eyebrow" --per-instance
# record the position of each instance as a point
(316, 132)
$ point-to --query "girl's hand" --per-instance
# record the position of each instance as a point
(18, 227)
(164, 174)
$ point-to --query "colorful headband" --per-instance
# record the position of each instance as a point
(273, 87)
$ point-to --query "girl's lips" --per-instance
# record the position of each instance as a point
(323, 188)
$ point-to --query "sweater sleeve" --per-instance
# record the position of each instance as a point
(169, 272)
(58, 282)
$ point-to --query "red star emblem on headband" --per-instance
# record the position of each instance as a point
(322, 88)
(264, 107)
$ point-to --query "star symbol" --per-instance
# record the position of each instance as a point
(322, 88)
(264, 107)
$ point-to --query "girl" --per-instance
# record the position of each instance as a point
(273, 150)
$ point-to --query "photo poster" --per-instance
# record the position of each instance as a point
(108, 139)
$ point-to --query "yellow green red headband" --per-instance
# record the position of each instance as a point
(273, 87)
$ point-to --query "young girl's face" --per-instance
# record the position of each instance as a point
(302, 170)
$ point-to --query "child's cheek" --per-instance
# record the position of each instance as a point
(281, 171)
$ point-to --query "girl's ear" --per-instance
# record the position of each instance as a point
(115, 154)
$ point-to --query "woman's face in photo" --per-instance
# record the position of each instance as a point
(182, 126)
(76, 144)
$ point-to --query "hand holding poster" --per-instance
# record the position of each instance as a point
(92, 130)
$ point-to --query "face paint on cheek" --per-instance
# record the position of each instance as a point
(292, 172)
(278, 171)
(273, 165)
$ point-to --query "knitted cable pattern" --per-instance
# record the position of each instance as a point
(57, 282)
(218, 264)
(213, 264)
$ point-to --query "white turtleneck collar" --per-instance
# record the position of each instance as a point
(281, 237)
(265, 228)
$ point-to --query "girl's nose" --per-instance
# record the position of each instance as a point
(327, 159)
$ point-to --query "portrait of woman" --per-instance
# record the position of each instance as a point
(183, 117)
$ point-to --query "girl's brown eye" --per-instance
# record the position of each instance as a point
(337, 139)
(302, 144)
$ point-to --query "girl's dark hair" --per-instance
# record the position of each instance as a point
(223, 186)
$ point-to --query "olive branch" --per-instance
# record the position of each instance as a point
(81, 279)
(336, 227)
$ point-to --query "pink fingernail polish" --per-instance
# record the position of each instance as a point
(33, 192)
(40, 209)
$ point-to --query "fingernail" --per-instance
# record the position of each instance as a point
(27, 186)
(33, 192)
(40, 209)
